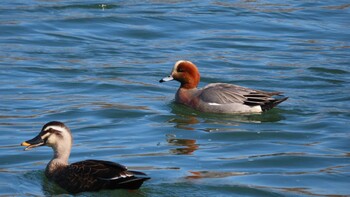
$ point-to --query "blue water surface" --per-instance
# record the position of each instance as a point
(95, 65)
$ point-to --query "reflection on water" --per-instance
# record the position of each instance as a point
(213, 174)
(297, 191)
(187, 119)
(230, 176)
(184, 122)
(190, 145)
(50, 188)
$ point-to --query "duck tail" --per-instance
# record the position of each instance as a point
(273, 103)
(134, 182)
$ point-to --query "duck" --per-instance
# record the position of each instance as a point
(83, 176)
(218, 97)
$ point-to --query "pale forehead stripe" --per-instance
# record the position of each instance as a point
(177, 64)
(57, 128)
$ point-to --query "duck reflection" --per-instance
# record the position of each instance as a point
(188, 145)
(184, 122)
(189, 119)
(51, 189)
(213, 174)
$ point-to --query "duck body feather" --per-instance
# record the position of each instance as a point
(239, 99)
(218, 97)
(94, 175)
(228, 98)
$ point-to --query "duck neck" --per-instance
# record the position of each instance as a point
(190, 81)
(186, 96)
(188, 86)
(59, 160)
(61, 154)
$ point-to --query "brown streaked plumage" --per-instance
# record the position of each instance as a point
(218, 97)
(88, 175)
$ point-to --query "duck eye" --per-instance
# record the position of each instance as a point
(180, 70)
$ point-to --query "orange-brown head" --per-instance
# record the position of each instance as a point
(186, 73)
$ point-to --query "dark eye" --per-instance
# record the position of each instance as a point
(180, 70)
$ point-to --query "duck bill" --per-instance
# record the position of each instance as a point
(165, 79)
(33, 143)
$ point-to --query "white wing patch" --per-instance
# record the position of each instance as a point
(214, 104)
(256, 108)
(121, 176)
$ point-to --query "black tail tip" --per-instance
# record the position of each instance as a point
(278, 101)
(273, 103)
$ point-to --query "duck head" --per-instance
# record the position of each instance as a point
(184, 72)
(53, 134)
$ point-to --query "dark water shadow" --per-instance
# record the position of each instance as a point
(37, 178)
(48, 188)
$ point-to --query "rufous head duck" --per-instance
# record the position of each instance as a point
(184, 72)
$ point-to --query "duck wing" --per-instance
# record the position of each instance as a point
(223, 93)
(94, 175)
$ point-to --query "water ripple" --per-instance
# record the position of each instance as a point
(96, 66)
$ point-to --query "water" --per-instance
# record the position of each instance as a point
(96, 66)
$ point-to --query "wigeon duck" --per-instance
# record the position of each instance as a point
(88, 175)
(218, 97)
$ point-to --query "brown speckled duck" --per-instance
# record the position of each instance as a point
(218, 97)
(88, 175)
